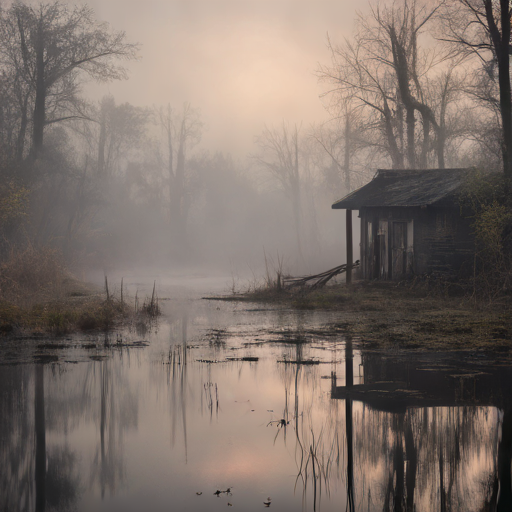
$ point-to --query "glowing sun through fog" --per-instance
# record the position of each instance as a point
(243, 63)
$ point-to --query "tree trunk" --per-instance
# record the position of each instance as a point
(441, 142)
(504, 82)
(346, 163)
(102, 142)
(170, 164)
(426, 144)
(297, 218)
(40, 100)
(397, 160)
(500, 39)
(296, 199)
(411, 158)
(20, 141)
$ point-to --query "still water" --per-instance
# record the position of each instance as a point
(241, 405)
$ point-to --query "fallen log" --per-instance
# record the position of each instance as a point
(318, 280)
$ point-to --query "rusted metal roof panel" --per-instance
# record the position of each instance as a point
(406, 188)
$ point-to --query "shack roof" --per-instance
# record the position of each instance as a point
(406, 188)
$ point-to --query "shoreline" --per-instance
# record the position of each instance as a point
(392, 316)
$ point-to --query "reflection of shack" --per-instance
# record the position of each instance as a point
(412, 393)
(395, 385)
(411, 223)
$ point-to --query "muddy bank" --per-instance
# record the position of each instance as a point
(402, 317)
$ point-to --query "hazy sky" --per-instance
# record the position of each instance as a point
(243, 63)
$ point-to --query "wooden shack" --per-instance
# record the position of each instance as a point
(411, 223)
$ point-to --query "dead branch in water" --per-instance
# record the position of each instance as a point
(318, 280)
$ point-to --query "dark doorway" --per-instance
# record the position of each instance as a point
(399, 249)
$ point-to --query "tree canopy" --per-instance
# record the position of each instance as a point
(44, 49)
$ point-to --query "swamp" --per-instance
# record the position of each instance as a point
(170, 336)
(221, 403)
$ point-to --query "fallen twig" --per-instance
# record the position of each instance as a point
(319, 280)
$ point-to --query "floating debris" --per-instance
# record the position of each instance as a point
(46, 359)
(52, 346)
(278, 423)
(303, 362)
(245, 358)
(227, 491)
(133, 344)
(97, 357)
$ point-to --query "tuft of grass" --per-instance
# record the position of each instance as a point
(62, 317)
(150, 306)
(40, 296)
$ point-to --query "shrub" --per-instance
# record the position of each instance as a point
(30, 273)
(488, 198)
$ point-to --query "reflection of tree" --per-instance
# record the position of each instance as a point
(400, 461)
(40, 430)
(62, 480)
(177, 378)
(118, 412)
(349, 382)
(17, 435)
(34, 476)
(56, 482)
(317, 446)
(504, 463)
(431, 455)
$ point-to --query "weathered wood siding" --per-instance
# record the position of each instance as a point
(398, 241)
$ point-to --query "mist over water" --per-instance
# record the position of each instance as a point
(248, 400)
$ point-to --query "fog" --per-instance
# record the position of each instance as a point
(243, 63)
(216, 134)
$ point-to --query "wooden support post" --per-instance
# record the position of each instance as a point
(350, 255)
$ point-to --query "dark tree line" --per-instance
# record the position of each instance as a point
(418, 85)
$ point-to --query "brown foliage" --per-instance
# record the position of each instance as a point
(30, 274)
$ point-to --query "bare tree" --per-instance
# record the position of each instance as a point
(386, 71)
(346, 141)
(279, 155)
(48, 47)
(482, 29)
(121, 128)
(182, 130)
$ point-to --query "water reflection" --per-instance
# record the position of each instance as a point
(445, 456)
(16, 446)
(270, 404)
(40, 434)
(33, 476)
(177, 377)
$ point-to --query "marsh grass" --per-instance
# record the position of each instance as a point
(150, 306)
(38, 295)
